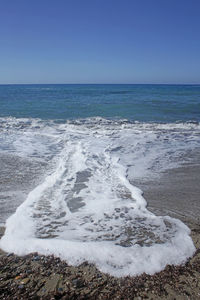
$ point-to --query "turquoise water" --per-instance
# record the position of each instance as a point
(146, 103)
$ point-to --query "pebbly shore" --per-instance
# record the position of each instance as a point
(36, 276)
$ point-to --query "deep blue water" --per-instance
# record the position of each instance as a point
(146, 103)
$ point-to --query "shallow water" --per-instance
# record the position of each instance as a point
(81, 202)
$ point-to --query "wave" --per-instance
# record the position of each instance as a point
(88, 207)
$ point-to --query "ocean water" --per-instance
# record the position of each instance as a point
(70, 156)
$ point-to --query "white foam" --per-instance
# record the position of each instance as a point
(87, 209)
(109, 258)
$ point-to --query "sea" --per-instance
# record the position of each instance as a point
(70, 160)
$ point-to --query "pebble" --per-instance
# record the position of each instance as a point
(36, 258)
(10, 254)
(21, 286)
(25, 281)
(77, 283)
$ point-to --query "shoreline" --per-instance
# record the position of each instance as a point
(35, 276)
(46, 277)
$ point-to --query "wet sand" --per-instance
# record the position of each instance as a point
(175, 193)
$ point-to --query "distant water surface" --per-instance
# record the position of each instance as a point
(149, 103)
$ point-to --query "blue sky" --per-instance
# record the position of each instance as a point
(99, 41)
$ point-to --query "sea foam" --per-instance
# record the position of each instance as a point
(87, 207)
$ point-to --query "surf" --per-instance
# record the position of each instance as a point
(87, 207)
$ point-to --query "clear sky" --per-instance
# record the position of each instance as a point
(99, 41)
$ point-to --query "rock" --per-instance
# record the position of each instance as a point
(52, 283)
(36, 258)
(25, 281)
(78, 283)
(9, 254)
(21, 286)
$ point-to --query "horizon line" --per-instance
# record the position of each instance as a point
(99, 83)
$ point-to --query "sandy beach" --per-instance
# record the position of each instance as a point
(175, 193)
